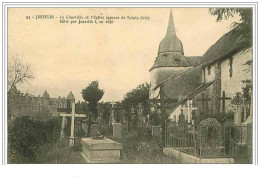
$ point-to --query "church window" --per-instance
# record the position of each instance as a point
(231, 67)
(204, 74)
(164, 55)
(60, 105)
(209, 67)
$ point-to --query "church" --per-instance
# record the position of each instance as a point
(205, 84)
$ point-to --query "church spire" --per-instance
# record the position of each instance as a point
(171, 43)
(171, 27)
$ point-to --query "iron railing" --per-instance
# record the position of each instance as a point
(230, 142)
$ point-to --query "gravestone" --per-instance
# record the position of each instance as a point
(100, 151)
(124, 128)
(181, 117)
(85, 126)
(140, 123)
(132, 118)
(117, 130)
(238, 115)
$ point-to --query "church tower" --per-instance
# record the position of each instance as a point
(170, 59)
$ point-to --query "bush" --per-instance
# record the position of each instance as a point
(26, 135)
(210, 127)
(210, 137)
(222, 118)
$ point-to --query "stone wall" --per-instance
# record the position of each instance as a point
(216, 90)
(157, 75)
(233, 84)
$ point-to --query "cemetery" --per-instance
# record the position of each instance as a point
(142, 132)
(118, 135)
(195, 109)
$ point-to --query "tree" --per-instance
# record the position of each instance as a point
(18, 72)
(137, 95)
(92, 94)
(244, 27)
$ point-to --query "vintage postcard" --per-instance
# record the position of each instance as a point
(130, 85)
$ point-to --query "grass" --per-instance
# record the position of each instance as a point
(143, 150)
(60, 153)
(135, 151)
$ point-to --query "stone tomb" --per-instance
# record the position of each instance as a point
(100, 150)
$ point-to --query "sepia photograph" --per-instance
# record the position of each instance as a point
(130, 85)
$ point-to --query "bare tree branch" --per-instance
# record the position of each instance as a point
(18, 72)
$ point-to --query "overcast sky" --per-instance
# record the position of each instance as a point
(67, 57)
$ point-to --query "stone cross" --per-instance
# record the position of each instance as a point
(64, 115)
(148, 119)
(72, 115)
(100, 114)
(223, 99)
(112, 111)
(132, 110)
(140, 112)
(204, 100)
(140, 109)
(189, 109)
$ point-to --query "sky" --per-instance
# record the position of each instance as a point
(66, 57)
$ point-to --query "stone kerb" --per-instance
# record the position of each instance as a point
(185, 158)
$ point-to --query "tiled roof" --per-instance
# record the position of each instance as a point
(193, 93)
(228, 44)
(193, 60)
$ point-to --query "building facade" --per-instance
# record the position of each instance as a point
(20, 104)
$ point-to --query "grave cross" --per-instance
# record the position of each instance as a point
(111, 120)
(140, 108)
(189, 109)
(139, 113)
(204, 99)
(163, 101)
(223, 99)
(117, 114)
(72, 115)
